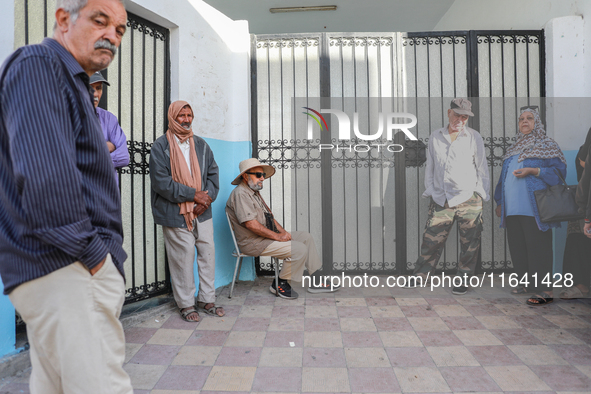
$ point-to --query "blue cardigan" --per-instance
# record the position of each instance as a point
(546, 178)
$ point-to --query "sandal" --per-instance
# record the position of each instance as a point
(573, 293)
(211, 309)
(540, 299)
(185, 312)
(519, 290)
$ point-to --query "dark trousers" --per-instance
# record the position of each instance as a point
(531, 250)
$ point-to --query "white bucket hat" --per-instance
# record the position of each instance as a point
(247, 164)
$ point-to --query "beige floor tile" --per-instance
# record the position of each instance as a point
(421, 379)
(485, 392)
(452, 356)
(263, 392)
(515, 309)
(563, 321)
(131, 349)
(573, 392)
(377, 291)
(261, 291)
(246, 338)
(471, 300)
(400, 339)
(576, 308)
(537, 355)
(281, 356)
(286, 324)
(286, 302)
(434, 291)
(154, 322)
(197, 355)
(451, 310)
(230, 379)
(428, 324)
(516, 378)
(236, 300)
(498, 322)
(350, 301)
(217, 323)
(174, 392)
(166, 336)
(366, 358)
(321, 311)
(274, 392)
(409, 301)
(555, 337)
(586, 369)
(477, 338)
(386, 311)
(325, 380)
(323, 339)
(358, 324)
(144, 377)
(256, 311)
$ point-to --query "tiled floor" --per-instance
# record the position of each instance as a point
(372, 340)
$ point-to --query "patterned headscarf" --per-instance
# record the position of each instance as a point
(535, 144)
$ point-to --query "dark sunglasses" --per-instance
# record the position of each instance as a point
(532, 107)
(257, 174)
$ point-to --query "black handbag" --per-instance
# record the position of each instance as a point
(557, 203)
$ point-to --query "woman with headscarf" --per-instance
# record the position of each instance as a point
(531, 163)
(577, 251)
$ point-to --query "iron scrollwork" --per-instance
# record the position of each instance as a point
(146, 27)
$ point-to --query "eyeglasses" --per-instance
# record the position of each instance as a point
(257, 174)
(532, 107)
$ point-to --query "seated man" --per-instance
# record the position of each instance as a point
(259, 234)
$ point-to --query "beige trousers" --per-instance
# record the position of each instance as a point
(76, 338)
(297, 254)
(180, 246)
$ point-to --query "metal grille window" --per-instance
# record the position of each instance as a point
(365, 209)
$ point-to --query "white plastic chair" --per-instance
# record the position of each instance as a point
(236, 253)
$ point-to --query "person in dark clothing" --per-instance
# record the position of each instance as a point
(61, 234)
(577, 251)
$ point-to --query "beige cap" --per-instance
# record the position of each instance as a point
(461, 106)
(247, 164)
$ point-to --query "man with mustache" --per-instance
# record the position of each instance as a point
(185, 181)
(116, 141)
(456, 181)
(61, 237)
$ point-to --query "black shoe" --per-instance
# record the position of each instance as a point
(322, 287)
(460, 290)
(411, 283)
(284, 290)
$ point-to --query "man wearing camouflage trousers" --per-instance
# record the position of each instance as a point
(457, 181)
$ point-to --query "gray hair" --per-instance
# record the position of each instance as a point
(73, 7)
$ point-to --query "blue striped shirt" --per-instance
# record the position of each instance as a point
(59, 201)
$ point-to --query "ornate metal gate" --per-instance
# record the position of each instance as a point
(364, 208)
(139, 96)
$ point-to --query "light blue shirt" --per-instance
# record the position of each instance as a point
(516, 196)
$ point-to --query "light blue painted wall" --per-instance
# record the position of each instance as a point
(7, 324)
(228, 155)
(561, 233)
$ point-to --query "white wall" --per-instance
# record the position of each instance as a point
(209, 64)
(7, 23)
(568, 115)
